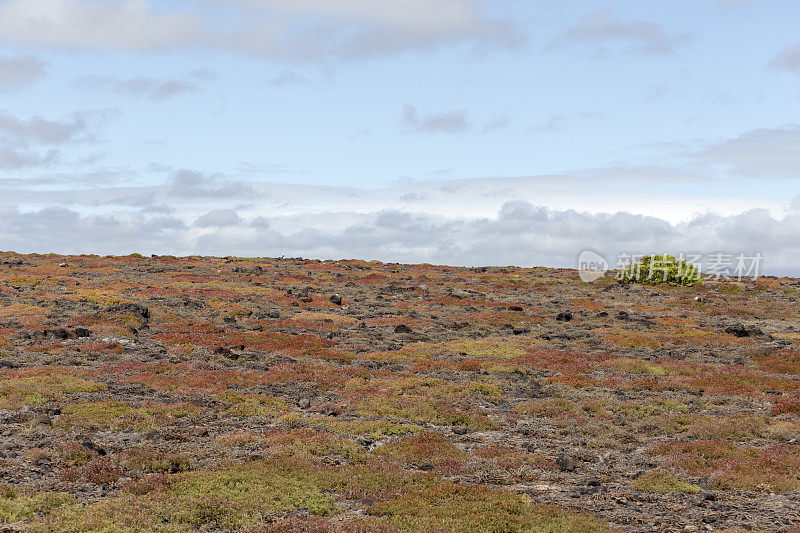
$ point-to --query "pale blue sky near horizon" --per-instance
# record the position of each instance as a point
(444, 111)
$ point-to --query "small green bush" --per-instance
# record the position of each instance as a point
(658, 269)
(663, 483)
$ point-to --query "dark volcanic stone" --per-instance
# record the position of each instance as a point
(402, 328)
(336, 299)
(138, 310)
(566, 463)
(224, 352)
(564, 316)
(88, 443)
(58, 333)
(738, 330)
(82, 332)
(754, 331)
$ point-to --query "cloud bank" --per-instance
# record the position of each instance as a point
(250, 222)
(309, 30)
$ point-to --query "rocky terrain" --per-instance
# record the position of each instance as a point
(227, 394)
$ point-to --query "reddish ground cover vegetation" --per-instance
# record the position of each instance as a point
(227, 394)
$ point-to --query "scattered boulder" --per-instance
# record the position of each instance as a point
(593, 485)
(402, 328)
(740, 330)
(564, 316)
(737, 330)
(89, 444)
(140, 311)
(336, 299)
(82, 332)
(192, 304)
(566, 463)
(57, 333)
(225, 352)
(5, 363)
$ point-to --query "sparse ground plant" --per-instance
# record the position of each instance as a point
(663, 483)
(658, 269)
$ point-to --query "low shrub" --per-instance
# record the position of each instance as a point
(663, 483)
(658, 269)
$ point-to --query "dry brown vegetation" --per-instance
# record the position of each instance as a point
(226, 394)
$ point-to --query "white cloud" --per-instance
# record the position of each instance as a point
(12, 158)
(31, 142)
(355, 28)
(23, 132)
(124, 25)
(764, 153)
(218, 218)
(519, 234)
(287, 77)
(146, 87)
(603, 28)
(275, 29)
(447, 122)
(19, 71)
(789, 58)
(188, 184)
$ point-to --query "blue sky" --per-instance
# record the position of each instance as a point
(406, 130)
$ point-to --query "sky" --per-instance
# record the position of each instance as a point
(464, 132)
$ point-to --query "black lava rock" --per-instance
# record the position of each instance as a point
(564, 316)
(82, 332)
(566, 463)
(88, 443)
(737, 330)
